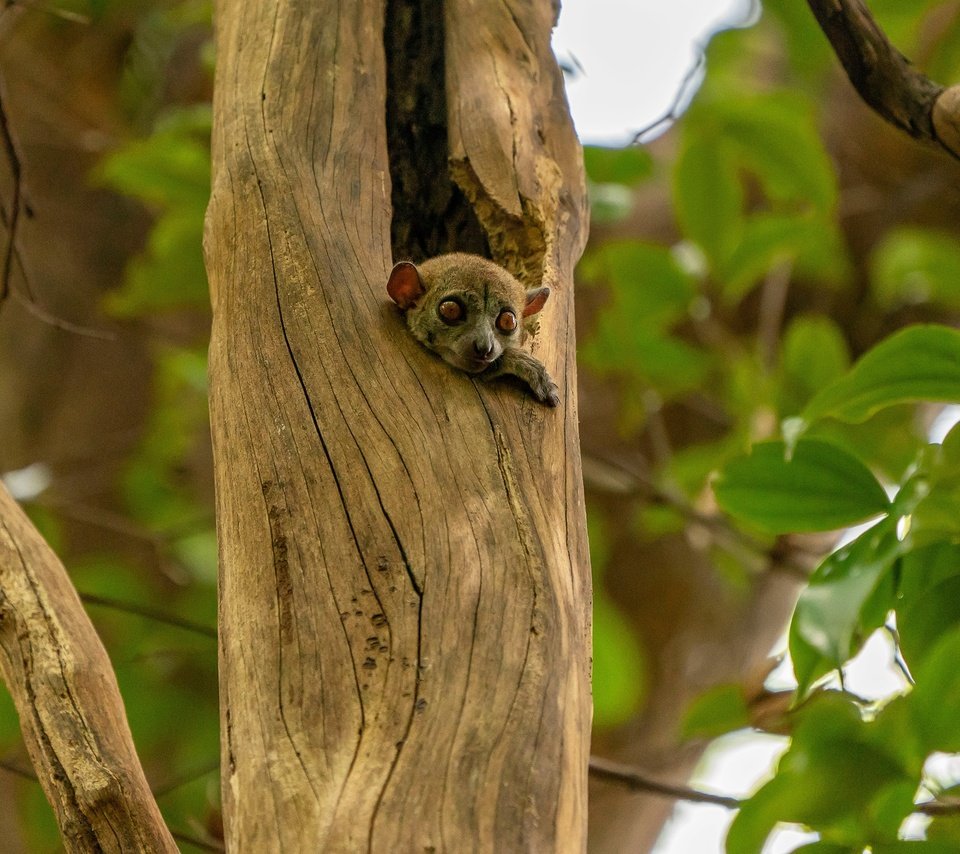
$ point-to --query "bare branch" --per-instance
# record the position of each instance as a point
(60, 323)
(680, 98)
(150, 613)
(67, 698)
(196, 842)
(885, 79)
(604, 769)
(632, 778)
(10, 149)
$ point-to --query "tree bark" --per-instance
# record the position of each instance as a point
(67, 698)
(404, 580)
(885, 78)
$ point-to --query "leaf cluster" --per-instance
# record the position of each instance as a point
(792, 351)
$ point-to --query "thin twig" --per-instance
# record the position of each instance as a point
(11, 221)
(59, 323)
(951, 807)
(196, 841)
(17, 770)
(632, 778)
(150, 614)
(773, 301)
(898, 659)
(185, 779)
(55, 11)
(604, 769)
(6, 140)
(673, 111)
(781, 557)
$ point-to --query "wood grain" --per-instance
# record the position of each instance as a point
(404, 581)
(68, 702)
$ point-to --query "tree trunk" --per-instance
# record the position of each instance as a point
(404, 580)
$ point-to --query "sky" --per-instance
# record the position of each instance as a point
(632, 57)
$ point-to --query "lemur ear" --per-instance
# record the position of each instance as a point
(536, 297)
(404, 285)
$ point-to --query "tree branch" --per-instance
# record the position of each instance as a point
(149, 613)
(885, 78)
(67, 698)
(13, 160)
(604, 769)
(631, 778)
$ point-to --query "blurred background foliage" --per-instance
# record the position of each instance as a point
(748, 314)
(741, 267)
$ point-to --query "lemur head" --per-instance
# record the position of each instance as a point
(463, 307)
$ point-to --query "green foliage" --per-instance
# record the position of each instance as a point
(619, 664)
(815, 486)
(161, 511)
(715, 712)
(918, 363)
(813, 355)
(169, 171)
(913, 265)
(625, 166)
(803, 399)
(611, 172)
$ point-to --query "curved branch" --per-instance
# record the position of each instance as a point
(67, 698)
(885, 78)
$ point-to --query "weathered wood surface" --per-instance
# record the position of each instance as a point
(66, 695)
(404, 582)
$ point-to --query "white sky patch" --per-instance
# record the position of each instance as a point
(631, 57)
(27, 483)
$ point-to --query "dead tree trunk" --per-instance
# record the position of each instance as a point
(404, 580)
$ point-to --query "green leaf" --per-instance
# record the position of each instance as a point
(718, 711)
(828, 623)
(169, 168)
(830, 780)
(814, 355)
(913, 265)
(914, 846)
(707, 195)
(929, 605)
(919, 363)
(668, 364)
(819, 488)
(619, 665)
(768, 240)
(944, 831)
(784, 798)
(647, 285)
(935, 488)
(821, 847)
(170, 274)
(807, 47)
(936, 696)
(780, 142)
(627, 166)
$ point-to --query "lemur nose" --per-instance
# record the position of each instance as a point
(483, 348)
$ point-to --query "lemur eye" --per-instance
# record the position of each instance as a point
(506, 321)
(451, 311)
